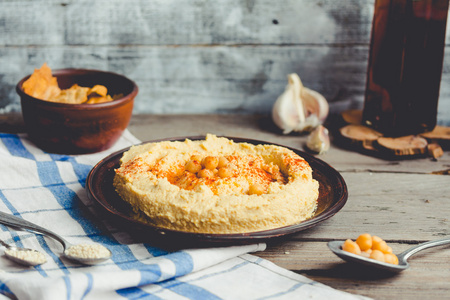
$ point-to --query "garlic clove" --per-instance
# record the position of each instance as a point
(288, 111)
(283, 114)
(315, 104)
(299, 108)
(318, 140)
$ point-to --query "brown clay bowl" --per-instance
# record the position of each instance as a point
(79, 128)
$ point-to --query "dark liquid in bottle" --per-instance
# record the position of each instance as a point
(405, 65)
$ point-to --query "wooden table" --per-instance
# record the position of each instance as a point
(405, 202)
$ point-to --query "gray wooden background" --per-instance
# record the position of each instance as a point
(198, 56)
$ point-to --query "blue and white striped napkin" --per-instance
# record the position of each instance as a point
(48, 189)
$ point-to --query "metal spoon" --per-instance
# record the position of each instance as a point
(24, 256)
(13, 221)
(403, 264)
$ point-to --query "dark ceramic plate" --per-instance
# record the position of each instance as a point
(99, 185)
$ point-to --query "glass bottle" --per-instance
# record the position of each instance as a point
(405, 66)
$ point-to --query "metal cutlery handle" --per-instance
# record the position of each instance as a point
(5, 244)
(420, 247)
(13, 221)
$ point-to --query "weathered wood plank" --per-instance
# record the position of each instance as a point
(209, 80)
(393, 192)
(399, 205)
(399, 201)
(184, 22)
(204, 80)
(148, 127)
(314, 260)
(228, 56)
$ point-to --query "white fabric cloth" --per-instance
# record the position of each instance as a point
(48, 189)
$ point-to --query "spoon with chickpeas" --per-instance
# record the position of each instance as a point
(372, 251)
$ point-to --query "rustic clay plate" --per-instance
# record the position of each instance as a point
(99, 185)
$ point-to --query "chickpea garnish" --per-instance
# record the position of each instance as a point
(256, 189)
(205, 173)
(210, 162)
(193, 166)
(209, 166)
(225, 172)
(196, 158)
(223, 162)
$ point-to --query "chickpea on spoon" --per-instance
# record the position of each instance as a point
(383, 258)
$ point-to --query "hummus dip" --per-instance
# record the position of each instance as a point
(216, 185)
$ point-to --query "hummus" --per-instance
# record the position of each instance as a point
(216, 185)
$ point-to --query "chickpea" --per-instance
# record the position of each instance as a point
(196, 157)
(193, 166)
(223, 162)
(210, 162)
(256, 189)
(351, 246)
(377, 255)
(205, 173)
(380, 245)
(391, 258)
(225, 172)
(364, 241)
(365, 254)
(372, 247)
(376, 239)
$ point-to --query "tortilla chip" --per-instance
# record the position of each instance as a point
(41, 84)
(44, 86)
(75, 95)
(94, 100)
(99, 90)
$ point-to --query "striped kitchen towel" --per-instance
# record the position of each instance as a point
(48, 189)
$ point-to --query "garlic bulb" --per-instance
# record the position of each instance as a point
(318, 140)
(299, 108)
